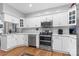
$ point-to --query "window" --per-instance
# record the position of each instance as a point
(60, 31)
(72, 17)
(72, 30)
(21, 22)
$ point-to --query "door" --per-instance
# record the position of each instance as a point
(32, 40)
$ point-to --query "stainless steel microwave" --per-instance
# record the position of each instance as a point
(46, 24)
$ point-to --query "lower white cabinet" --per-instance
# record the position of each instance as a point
(13, 40)
(19, 39)
(73, 47)
(26, 40)
(65, 44)
(57, 44)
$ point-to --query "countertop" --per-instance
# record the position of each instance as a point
(20, 33)
(64, 35)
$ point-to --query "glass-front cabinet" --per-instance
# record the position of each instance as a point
(72, 15)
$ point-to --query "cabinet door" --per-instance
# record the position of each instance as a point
(10, 42)
(19, 39)
(65, 44)
(29, 23)
(32, 22)
(73, 47)
(37, 22)
(60, 19)
(69, 45)
(57, 43)
(26, 40)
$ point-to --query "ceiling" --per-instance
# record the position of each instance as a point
(24, 7)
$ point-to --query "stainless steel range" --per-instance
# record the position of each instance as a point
(46, 36)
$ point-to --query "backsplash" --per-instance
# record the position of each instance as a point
(30, 30)
(38, 30)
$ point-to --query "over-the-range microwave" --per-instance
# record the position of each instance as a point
(46, 24)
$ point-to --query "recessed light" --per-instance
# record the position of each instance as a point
(30, 5)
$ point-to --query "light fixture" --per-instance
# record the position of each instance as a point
(30, 5)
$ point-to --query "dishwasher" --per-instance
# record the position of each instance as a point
(32, 40)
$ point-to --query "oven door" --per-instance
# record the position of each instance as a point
(47, 38)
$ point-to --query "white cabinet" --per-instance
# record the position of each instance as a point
(57, 43)
(60, 19)
(11, 41)
(10, 18)
(32, 22)
(69, 45)
(65, 44)
(20, 39)
(72, 15)
(26, 40)
(73, 48)
(21, 23)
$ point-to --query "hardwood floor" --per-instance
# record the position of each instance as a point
(2, 52)
(23, 50)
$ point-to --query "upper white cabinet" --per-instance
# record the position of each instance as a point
(47, 18)
(32, 22)
(21, 23)
(60, 19)
(72, 15)
(10, 18)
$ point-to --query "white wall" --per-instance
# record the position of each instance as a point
(12, 11)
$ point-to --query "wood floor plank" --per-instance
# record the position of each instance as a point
(2, 53)
(23, 50)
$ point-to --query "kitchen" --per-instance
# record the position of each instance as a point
(51, 28)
